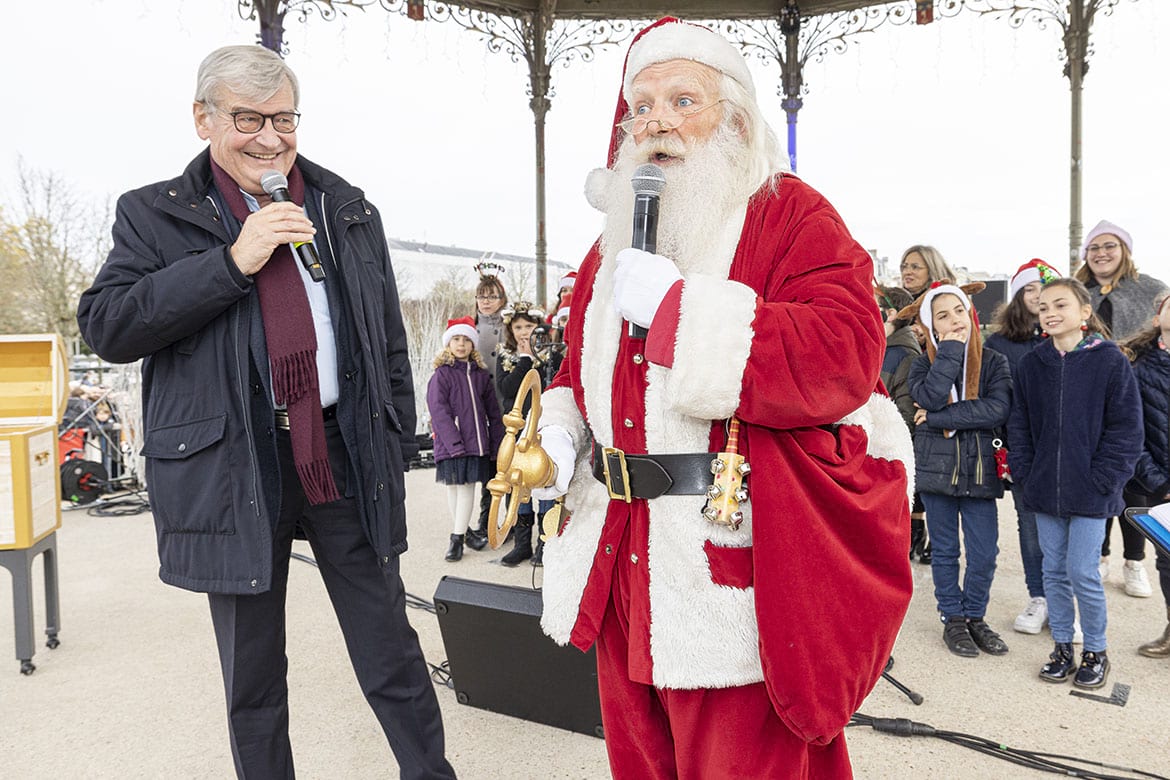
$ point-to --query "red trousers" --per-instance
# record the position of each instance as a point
(704, 734)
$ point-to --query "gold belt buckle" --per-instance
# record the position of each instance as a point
(613, 464)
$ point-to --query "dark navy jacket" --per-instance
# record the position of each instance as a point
(1075, 430)
(1152, 474)
(962, 465)
(465, 415)
(170, 294)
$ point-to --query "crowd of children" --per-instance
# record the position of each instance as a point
(1074, 423)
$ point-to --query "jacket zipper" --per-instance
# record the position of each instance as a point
(1059, 437)
(958, 457)
(333, 254)
(474, 413)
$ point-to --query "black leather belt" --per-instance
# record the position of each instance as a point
(650, 476)
(281, 416)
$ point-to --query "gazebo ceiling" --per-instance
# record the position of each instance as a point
(652, 9)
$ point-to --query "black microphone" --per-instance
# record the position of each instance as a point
(276, 185)
(647, 181)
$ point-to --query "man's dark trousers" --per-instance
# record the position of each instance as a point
(370, 606)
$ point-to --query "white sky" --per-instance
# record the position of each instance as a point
(954, 134)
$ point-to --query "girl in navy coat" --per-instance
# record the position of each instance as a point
(1018, 332)
(1151, 481)
(467, 426)
(963, 392)
(1075, 433)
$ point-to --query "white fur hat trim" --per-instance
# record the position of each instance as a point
(684, 41)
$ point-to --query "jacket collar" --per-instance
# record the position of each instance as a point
(195, 182)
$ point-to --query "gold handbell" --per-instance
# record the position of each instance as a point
(521, 463)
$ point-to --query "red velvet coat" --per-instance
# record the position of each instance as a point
(808, 595)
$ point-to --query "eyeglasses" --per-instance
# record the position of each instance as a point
(252, 122)
(487, 297)
(1093, 249)
(635, 125)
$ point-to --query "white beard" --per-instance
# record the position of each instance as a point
(701, 193)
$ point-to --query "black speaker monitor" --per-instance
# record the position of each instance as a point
(501, 661)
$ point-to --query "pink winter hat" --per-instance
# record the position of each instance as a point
(1105, 227)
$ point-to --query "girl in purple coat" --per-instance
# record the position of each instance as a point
(466, 425)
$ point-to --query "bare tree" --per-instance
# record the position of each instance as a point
(426, 319)
(51, 244)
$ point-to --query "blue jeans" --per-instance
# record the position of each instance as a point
(981, 540)
(1072, 546)
(1030, 553)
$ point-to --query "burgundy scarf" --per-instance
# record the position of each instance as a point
(292, 347)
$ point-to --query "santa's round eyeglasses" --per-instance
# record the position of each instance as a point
(636, 125)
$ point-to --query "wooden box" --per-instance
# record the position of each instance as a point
(33, 390)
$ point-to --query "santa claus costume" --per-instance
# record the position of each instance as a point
(731, 653)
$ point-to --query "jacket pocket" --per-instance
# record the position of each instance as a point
(189, 477)
(731, 567)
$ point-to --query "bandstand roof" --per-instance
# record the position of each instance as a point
(652, 9)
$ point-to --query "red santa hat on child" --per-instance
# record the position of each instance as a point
(1105, 227)
(464, 326)
(668, 38)
(1035, 270)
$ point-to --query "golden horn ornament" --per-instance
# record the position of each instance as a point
(521, 463)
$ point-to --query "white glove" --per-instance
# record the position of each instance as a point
(557, 442)
(640, 283)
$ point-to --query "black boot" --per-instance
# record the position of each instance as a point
(455, 549)
(917, 536)
(1093, 670)
(476, 538)
(1060, 663)
(924, 557)
(523, 549)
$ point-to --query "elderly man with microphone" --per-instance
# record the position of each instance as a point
(277, 398)
(732, 640)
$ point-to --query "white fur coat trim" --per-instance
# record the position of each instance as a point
(886, 433)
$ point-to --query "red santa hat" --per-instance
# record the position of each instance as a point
(1105, 227)
(464, 326)
(566, 303)
(672, 39)
(1035, 270)
(568, 280)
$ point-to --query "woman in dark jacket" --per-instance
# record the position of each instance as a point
(964, 394)
(1017, 332)
(1151, 481)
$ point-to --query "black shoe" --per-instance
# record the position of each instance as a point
(476, 539)
(987, 640)
(1094, 669)
(958, 638)
(1060, 663)
(917, 536)
(924, 556)
(523, 549)
(455, 549)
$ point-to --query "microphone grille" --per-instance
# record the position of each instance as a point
(648, 179)
(271, 181)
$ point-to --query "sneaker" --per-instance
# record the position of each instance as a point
(985, 639)
(1060, 664)
(1103, 568)
(1093, 670)
(1078, 635)
(1033, 618)
(958, 638)
(1136, 582)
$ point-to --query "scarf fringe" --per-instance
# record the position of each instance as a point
(317, 481)
(294, 376)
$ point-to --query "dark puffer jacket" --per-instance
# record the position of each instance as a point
(1152, 473)
(1075, 429)
(961, 465)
